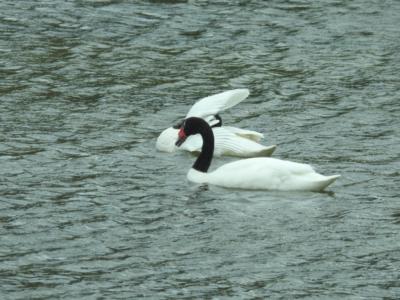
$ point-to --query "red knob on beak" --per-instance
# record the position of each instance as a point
(181, 137)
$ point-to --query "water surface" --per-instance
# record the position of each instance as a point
(90, 210)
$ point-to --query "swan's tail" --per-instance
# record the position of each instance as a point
(322, 184)
(267, 151)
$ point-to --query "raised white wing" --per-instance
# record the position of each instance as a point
(211, 105)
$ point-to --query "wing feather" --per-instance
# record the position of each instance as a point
(212, 105)
(244, 133)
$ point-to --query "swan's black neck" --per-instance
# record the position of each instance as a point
(203, 162)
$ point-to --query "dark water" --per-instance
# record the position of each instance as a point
(90, 210)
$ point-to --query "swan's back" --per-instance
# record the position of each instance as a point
(229, 143)
(269, 173)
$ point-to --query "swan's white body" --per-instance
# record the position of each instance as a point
(263, 173)
(228, 140)
(259, 173)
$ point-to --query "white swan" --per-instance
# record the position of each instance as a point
(228, 140)
(253, 173)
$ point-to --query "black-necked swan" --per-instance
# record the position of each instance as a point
(261, 173)
(228, 140)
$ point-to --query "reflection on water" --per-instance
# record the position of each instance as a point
(89, 209)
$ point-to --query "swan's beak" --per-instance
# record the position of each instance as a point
(181, 137)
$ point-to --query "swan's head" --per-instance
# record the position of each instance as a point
(189, 127)
(166, 140)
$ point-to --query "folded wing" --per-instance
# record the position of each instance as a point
(229, 143)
